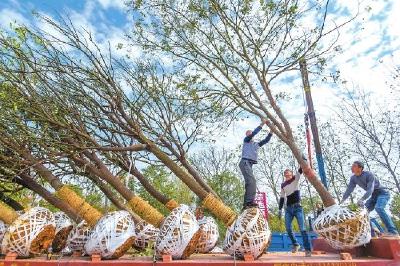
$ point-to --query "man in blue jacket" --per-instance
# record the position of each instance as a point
(376, 196)
(249, 158)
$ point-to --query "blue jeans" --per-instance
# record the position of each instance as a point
(375, 224)
(291, 212)
(378, 201)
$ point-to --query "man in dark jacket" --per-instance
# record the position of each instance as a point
(249, 158)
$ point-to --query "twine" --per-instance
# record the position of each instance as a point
(217, 207)
(3, 228)
(112, 236)
(78, 237)
(7, 214)
(145, 233)
(87, 212)
(209, 235)
(146, 211)
(250, 234)
(343, 228)
(171, 204)
(178, 234)
(31, 233)
(63, 228)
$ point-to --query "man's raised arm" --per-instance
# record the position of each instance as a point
(254, 132)
(266, 140)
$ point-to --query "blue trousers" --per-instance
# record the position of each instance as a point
(378, 201)
(291, 212)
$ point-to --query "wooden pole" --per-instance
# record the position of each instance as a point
(313, 121)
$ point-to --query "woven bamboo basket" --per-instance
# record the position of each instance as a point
(249, 234)
(63, 228)
(3, 229)
(209, 235)
(66, 251)
(343, 228)
(178, 234)
(112, 236)
(145, 233)
(78, 237)
(31, 233)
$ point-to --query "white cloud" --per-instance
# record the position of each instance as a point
(105, 4)
(8, 16)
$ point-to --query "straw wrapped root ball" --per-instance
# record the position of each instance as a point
(63, 228)
(343, 228)
(209, 235)
(178, 234)
(3, 229)
(112, 236)
(249, 234)
(31, 234)
(78, 237)
(145, 233)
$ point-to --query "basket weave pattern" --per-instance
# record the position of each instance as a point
(343, 228)
(249, 234)
(78, 237)
(31, 233)
(112, 236)
(63, 228)
(209, 235)
(145, 233)
(176, 234)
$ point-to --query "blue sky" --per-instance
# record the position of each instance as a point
(370, 44)
(110, 12)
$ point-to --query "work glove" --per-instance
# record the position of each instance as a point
(280, 214)
(360, 203)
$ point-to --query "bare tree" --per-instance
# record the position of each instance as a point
(88, 94)
(337, 154)
(375, 133)
(238, 49)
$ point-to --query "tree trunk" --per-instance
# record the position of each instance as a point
(135, 129)
(138, 205)
(28, 182)
(42, 170)
(105, 175)
(311, 175)
(11, 202)
(178, 171)
(164, 199)
(188, 167)
(107, 192)
(214, 204)
(7, 214)
(196, 176)
(86, 211)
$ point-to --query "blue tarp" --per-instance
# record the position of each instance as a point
(281, 241)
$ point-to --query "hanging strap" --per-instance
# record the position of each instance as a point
(308, 137)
